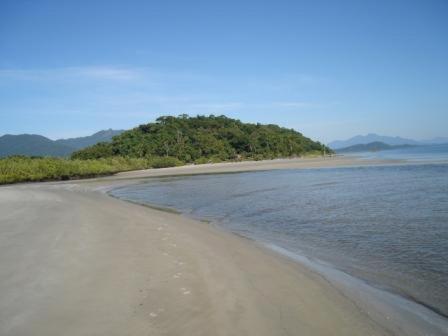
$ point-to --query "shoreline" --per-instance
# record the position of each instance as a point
(112, 267)
(397, 313)
(400, 314)
(130, 177)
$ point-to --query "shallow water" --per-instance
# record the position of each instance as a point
(386, 225)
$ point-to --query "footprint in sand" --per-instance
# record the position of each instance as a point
(185, 291)
(177, 275)
(155, 314)
(180, 263)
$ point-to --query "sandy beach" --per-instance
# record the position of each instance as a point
(75, 261)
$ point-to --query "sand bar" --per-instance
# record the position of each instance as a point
(75, 261)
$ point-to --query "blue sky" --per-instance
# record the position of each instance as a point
(330, 69)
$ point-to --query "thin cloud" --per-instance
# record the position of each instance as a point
(107, 73)
(73, 73)
(127, 96)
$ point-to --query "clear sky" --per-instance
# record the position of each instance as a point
(330, 69)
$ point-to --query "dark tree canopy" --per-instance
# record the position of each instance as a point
(205, 138)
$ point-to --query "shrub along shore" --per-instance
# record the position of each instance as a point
(33, 169)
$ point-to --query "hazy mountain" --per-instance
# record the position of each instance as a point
(438, 140)
(370, 147)
(38, 145)
(31, 145)
(369, 138)
(82, 142)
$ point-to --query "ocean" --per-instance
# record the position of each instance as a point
(386, 226)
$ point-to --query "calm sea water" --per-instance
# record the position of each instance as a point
(386, 225)
(430, 153)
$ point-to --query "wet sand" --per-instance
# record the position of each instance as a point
(75, 261)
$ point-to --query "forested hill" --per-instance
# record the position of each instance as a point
(216, 138)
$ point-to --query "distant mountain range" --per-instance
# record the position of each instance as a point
(82, 142)
(38, 145)
(370, 147)
(393, 141)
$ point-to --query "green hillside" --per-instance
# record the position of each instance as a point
(82, 142)
(31, 145)
(204, 138)
(38, 145)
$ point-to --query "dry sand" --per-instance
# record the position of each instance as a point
(74, 261)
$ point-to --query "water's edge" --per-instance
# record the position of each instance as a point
(398, 314)
(394, 312)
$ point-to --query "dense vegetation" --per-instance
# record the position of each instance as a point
(27, 169)
(202, 139)
(168, 142)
